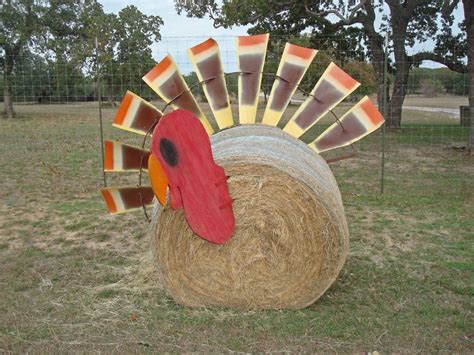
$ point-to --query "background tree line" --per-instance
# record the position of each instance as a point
(55, 50)
(60, 46)
(433, 82)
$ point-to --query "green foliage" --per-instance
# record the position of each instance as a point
(431, 87)
(20, 23)
(196, 87)
(421, 21)
(76, 40)
(133, 36)
(353, 31)
(59, 30)
(193, 82)
(364, 73)
(232, 85)
(442, 79)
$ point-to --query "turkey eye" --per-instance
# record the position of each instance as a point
(168, 151)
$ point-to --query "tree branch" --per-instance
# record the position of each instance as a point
(282, 3)
(368, 20)
(454, 66)
(448, 7)
(394, 3)
(278, 7)
(413, 4)
(215, 21)
(345, 20)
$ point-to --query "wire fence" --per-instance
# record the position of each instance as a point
(434, 114)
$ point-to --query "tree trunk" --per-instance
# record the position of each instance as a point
(393, 111)
(395, 104)
(377, 50)
(469, 21)
(7, 100)
(7, 88)
(378, 61)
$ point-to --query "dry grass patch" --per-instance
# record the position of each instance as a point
(74, 279)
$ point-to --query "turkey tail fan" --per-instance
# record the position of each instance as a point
(333, 87)
(135, 114)
(207, 64)
(293, 65)
(120, 157)
(251, 52)
(166, 80)
(361, 120)
(125, 199)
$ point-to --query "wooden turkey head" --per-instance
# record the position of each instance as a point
(181, 159)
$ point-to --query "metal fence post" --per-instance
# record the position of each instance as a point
(99, 98)
(384, 100)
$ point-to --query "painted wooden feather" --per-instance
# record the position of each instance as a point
(206, 59)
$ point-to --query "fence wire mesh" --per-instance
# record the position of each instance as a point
(45, 85)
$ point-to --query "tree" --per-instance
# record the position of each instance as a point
(134, 34)
(431, 87)
(193, 83)
(469, 27)
(60, 30)
(71, 40)
(453, 83)
(363, 73)
(118, 46)
(407, 22)
(97, 35)
(20, 23)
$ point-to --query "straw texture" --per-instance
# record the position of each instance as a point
(291, 236)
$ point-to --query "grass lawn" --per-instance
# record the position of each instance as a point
(445, 101)
(73, 278)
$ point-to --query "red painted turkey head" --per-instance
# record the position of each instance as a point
(183, 162)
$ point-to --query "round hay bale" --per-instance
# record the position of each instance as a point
(291, 236)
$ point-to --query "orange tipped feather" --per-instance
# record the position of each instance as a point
(202, 47)
(159, 69)
(122, 112)
(109, 201)
(302, 52)
(252, 40)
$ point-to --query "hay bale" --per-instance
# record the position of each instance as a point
(291, 236)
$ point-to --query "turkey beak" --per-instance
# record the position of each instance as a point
(158, 179)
